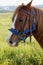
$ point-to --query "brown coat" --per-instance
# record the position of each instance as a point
(39, 23)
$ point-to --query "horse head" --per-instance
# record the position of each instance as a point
(21, 22)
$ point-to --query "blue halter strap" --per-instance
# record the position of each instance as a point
(14, 31)
(33, 28)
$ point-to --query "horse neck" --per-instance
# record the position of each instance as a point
(39, 23)
(39, 20)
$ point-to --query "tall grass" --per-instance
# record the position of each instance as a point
(24, 54)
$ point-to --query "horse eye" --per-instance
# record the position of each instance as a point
(20, 20)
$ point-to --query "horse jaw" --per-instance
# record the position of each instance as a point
(39, 39)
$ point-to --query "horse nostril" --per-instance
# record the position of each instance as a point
(11, 42)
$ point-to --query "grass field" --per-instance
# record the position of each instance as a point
(24, 54)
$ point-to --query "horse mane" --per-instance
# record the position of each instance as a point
(17, 11)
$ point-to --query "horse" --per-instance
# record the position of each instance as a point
(27, 21)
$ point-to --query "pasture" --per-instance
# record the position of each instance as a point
(24, 54)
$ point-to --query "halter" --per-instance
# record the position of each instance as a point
(32, 28)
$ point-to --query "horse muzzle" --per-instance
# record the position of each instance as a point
(12, 39)
(13, 43)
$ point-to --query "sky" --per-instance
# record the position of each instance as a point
(18, 2)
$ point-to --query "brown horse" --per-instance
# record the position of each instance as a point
(22, 19)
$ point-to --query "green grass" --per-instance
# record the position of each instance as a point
(24, 54)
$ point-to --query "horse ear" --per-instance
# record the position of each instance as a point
(29, 4)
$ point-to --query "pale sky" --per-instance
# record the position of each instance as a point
(18, 2)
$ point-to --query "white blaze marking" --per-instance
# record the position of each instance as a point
(13, 26)
(9, 36)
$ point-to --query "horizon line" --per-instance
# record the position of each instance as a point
(18, 5)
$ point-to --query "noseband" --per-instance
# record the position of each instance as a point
(32, 28)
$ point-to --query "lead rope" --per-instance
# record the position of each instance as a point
(30, 35)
